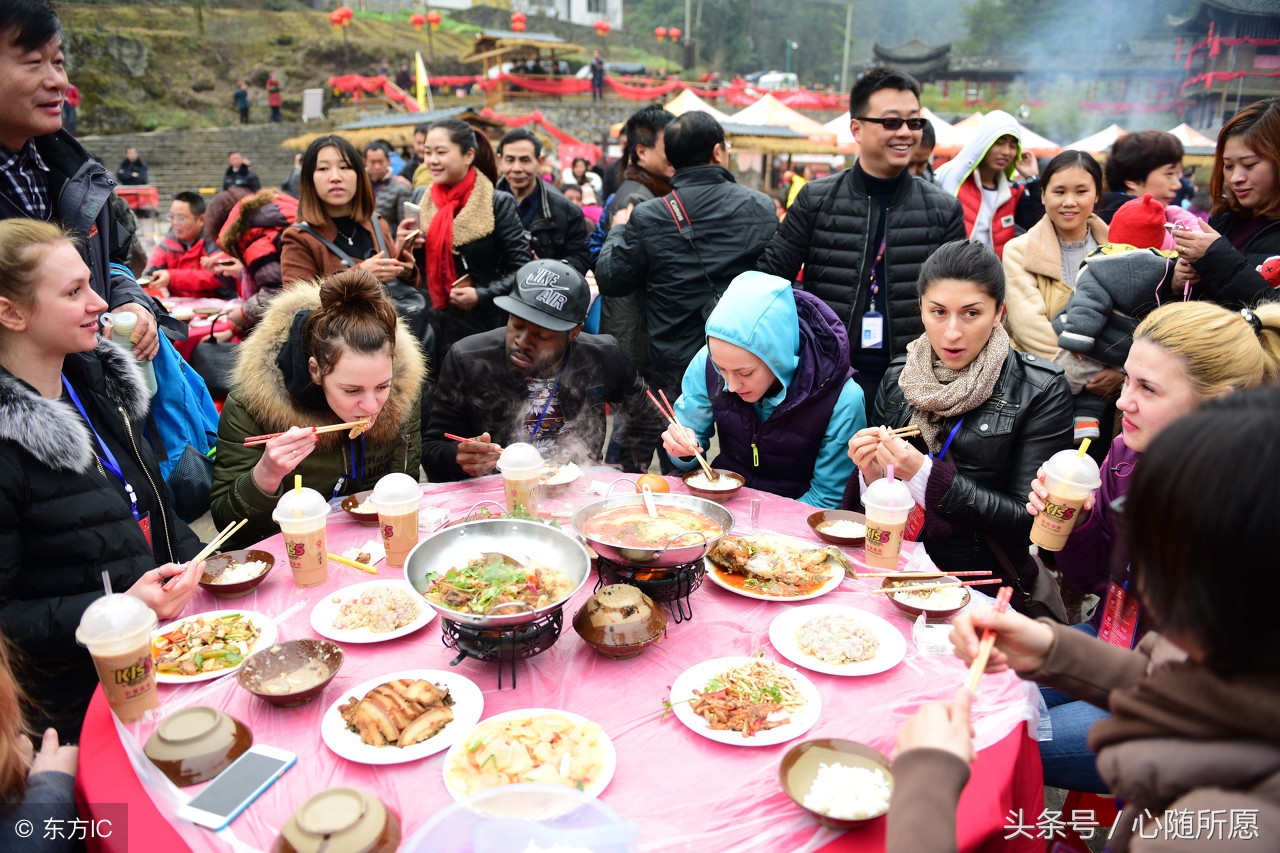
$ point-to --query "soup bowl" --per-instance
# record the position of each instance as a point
(687, 546)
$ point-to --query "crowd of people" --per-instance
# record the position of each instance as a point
(1003, 310)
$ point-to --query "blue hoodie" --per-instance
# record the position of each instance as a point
(794, 442)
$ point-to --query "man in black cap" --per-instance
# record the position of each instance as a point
(539, 380)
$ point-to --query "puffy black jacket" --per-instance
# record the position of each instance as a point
(1002, 443)
(1230, 277)
(683, 270)
(559, 231)
(829, 231)
(63, 521)
(479, 391)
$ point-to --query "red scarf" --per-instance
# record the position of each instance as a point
(441, 272)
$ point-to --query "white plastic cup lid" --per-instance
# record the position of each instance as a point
(396, 490)
(299, 504)
(520, 458)
(1068, 466)
(888, 494)
(114, 616)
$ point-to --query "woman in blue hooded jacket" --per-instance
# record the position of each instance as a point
(774, 382)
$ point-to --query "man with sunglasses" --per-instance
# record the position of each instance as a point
(861, 235)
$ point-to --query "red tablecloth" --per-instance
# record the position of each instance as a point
(684, 792)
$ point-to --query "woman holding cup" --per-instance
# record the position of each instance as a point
(1182, 355)
(80, 492)
(988, 416)
(325, 352)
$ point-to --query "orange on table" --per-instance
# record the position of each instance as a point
(655, 482)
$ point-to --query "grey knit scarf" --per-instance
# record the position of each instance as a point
(937, 393)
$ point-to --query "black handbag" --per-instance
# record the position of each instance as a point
(214, 362)
(190, 484)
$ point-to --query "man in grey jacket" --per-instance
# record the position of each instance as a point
(45, 174)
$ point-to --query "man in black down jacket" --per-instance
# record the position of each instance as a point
(837, 226)
(683, 267)
(539, 380)
(555, 226)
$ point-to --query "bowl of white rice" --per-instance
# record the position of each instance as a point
(232, 574)
(842, 783)
(937, 603)
(840, 527)
(359, 507)
(725, 485)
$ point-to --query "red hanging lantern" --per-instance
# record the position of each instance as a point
(661, 33)
(347, 14)
(434, 19)
(674, 33)
(335, 19)
(602, 27)
(517, 26)
(518, 16)
(417, 19)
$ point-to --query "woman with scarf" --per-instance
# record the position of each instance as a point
(988, 416)
(325, 352)
(474, 239)
(1193, 707)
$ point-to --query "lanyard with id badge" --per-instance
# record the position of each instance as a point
(873, 321)
(108, 461)
(1121, 610)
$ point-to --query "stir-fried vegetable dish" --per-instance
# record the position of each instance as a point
(205, 645)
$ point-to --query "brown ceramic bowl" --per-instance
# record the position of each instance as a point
(291, 673)
(196, 744)
(219, 563)
(350, 502)
(340, 820)
(820, 520)
(800, 767)
(717, 495)
(932, 614)
(620, 621)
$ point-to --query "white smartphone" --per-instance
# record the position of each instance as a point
(235, 788)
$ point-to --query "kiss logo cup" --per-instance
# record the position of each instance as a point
(1070, 478)
(396, 497)
(302, 515)
(116, 629)
(521, 465)
(888, 503)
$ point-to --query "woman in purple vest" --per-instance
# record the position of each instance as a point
(774, 382)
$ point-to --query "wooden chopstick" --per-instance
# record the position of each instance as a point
(987, 643)
(337, 558)
(670, 414)
(905, 432)
(254, 440)
(216, 543)
(889, 590)
(911, 576)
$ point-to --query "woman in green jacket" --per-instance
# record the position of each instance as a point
(326, 352)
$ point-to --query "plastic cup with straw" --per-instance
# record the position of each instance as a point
(301, 514)
(116, 629)
(1070, 476)
(888, 502)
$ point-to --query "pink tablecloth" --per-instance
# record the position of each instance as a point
(685, 792)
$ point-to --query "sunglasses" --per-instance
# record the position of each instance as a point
(894, 123)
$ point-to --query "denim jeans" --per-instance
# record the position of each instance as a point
(1067, 761)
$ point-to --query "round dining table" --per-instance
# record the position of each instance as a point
(683, 791)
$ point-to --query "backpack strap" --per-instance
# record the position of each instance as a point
(347, 260)
(681, 218)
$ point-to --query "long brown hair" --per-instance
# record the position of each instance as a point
(467, 139)
(13, 727)
(354, 314)
(310, 208)
(1258, 126)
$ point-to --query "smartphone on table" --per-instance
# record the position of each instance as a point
(235, 788)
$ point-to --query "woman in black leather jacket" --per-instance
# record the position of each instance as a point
(988, 416)
(474, 242)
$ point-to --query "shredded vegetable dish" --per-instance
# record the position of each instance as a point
(545, 748)
(488, 581)
(205, 645)
(748, 699)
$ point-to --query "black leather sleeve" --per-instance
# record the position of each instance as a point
(512, 245)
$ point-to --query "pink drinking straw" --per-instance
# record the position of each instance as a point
(888, 472)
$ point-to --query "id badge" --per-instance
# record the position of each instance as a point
(872, 330)
(144, 524)
(1120, 618)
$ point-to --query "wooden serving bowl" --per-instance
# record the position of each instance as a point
(818, 520)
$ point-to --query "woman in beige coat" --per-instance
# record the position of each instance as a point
(1040, 274)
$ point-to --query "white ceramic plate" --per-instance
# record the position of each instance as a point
(783, 630)
(696, 678)
(265, 624)
(835, 573)
(468, 705)
(326, 610)
(609, 759)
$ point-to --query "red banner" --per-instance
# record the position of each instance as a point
(380, 85)
(644, 93)
(536, 117)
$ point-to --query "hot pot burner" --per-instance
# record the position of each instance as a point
(504, 645)
(672, 587)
